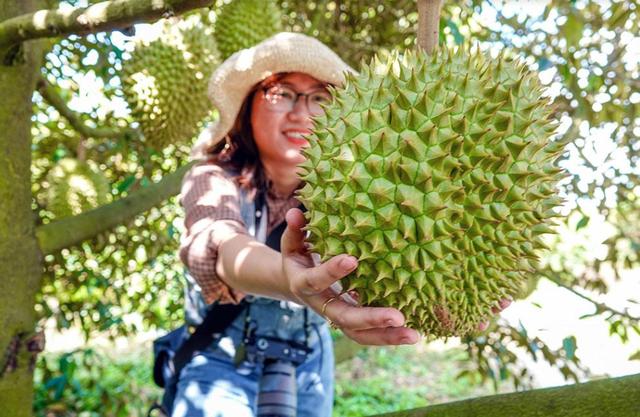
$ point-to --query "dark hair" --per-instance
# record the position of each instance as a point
(238, 151)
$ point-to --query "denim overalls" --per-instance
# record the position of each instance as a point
(211, 385)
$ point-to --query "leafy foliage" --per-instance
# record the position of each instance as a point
(89, 383)
(397, 378)
(128, 279)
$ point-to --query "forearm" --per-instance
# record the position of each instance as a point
(252, 267)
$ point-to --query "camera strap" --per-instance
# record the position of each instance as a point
(220, 316)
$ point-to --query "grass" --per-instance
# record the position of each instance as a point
(397, 378)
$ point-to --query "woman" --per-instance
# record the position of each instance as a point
(266, 97)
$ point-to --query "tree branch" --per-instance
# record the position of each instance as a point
(50, 94)
(70, 231)
(600, 307)
(428, 24)
(605, 397)
(103, 16)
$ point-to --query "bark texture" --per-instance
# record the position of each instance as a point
(103, 16)
(20, 259)
(613, 397)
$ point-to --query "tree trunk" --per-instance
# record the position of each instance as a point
(20, 259)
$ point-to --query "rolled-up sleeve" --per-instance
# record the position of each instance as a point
(211, 202)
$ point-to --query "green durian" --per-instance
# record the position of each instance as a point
(75, 187)
(165, 83)
(244, 23)
(438, 173)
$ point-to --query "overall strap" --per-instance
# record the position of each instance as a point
(220, 316)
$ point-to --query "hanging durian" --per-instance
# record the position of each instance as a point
(437, 172)
(244, 23)
(165, 83)
(75, 187)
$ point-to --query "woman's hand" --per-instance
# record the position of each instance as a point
(309, 284)
(502, 304)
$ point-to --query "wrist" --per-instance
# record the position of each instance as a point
(287, 289)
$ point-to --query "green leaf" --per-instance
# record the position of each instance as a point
(573, 29)
(457, 36)
(544, 63)
(126, 183)
(59, 154)
(582, 223)
(569, 346)
(635, 356)
(620, 12)
(522, 330)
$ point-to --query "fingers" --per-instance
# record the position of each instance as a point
(310, 284)
(292, 240)
(306, 277)
(319, 278)
(384, 336)
(348, 317)
(369, 325)
(502, 304)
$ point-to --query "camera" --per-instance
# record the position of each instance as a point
(277, 395)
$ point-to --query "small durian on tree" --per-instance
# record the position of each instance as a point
(165, 82)
(244, 23)
(75, 187)
(438, 173)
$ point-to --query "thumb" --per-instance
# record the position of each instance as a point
(292, 240)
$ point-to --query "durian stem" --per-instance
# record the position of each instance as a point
(428, 24)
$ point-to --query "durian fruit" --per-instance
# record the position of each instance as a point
(165, 83)
(244, 23)
(528, 287)
(438, 174)
(75, 187)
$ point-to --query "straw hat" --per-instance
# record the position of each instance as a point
(233, 79)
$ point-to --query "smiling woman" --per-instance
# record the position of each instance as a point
(236, 199)
(281, 117)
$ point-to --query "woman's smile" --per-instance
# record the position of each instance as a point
(297, 136)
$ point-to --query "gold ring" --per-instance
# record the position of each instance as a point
(326, 303)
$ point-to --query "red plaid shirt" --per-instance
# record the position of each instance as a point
(211, 201)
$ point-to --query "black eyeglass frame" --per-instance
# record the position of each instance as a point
(296, 96)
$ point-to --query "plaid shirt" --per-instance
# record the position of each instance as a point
(211, 201)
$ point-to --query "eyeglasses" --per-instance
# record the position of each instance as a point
(280, 98)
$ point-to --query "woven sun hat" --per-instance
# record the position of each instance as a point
(234, 78)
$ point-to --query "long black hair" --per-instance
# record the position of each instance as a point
(238, 151)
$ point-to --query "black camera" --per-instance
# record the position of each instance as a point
(259, 349)
(277, 396)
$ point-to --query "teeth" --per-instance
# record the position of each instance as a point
(296, 135)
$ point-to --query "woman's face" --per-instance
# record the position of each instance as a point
(278, 128)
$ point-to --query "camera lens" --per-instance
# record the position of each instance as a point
(277, 394)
